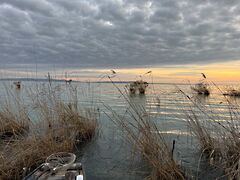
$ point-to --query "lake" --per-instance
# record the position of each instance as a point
(109, 155)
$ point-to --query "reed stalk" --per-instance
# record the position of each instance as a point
(57, 125)
(145, 136)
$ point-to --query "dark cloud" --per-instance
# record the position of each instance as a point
(118, 33)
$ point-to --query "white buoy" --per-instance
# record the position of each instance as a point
(79, 177)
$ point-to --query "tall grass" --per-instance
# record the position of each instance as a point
(57, 125)
(58, 110)
(29, 153)
(145, 136)
(14, 116)
(219, 137)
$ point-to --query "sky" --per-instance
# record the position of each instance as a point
(175, 39)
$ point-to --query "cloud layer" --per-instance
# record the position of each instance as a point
(118, 33)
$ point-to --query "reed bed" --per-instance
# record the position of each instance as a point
(57, 125)
(11, 125)
(57, 113)
(82, 126)
(231, 91)
(219, 138)
(29, 153)
(146, 138)
(14, 117)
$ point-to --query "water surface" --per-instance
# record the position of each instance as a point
(110, 156)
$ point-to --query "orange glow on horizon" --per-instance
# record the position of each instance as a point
(217, 72)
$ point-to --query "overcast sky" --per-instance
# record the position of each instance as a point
(118, 33)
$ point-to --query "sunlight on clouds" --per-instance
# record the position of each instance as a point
(106, 23)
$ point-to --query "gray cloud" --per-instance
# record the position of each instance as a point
(118, 33)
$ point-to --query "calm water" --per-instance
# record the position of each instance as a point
(109, 156)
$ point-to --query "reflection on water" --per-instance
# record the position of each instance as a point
(200, 98)
(109, 156)
(167, 108)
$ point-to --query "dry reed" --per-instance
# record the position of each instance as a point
(60, 125)
(145, 136)
(218, 138)
(29, 153)
(14, 117)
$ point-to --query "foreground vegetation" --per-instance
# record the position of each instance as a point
(219, 137)
(144, 135)
(147, 139)
(51, 122)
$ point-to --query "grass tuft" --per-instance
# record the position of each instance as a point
(57, 125)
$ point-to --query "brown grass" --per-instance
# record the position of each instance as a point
(60, 126)
(220, 140)
(56, 113)
(14, 116)
(12, 126)
(83, 127)
(145, 136)
(29, 153)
